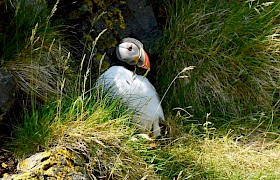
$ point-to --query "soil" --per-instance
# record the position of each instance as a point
(8, 163)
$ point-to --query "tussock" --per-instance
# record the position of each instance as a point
(104, 149)
(42, 72)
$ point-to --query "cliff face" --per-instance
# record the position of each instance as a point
(7, 93)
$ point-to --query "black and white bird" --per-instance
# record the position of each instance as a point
(134, 90)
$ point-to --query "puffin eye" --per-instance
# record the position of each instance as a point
(129, 48)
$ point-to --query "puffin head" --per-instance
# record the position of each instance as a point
(131, 51)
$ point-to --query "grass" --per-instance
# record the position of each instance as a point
(96, 128)
(221, 116)
(18, 25)
(33, 52)
(101, 131)
(222, 158)
(231, 46)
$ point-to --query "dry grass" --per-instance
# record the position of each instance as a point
(104, 148)
(223, 158)
(43, 72)
(250, 162)
(200, 156)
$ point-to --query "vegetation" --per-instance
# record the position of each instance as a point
(235, 49)
(222, 118)
(32, 50)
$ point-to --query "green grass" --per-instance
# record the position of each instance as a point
(18, 25)
(222, 116)
(95, 126)
(235, 49)
(40, 126)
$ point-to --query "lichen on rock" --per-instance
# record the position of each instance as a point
(57, 163)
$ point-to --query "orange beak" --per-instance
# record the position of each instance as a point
(146, 61)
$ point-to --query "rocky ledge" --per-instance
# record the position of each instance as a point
(57, 163)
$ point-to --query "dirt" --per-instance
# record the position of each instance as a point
(8, 163)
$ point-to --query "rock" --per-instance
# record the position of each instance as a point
(57, 163)
(7, 93)
(142, 23)
(134, 18)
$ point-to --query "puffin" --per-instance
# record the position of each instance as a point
(134, 90)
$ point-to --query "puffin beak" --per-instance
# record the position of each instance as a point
(144, 61)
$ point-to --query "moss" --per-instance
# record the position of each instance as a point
(91, 17)
(121, 19)
(113, 17)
